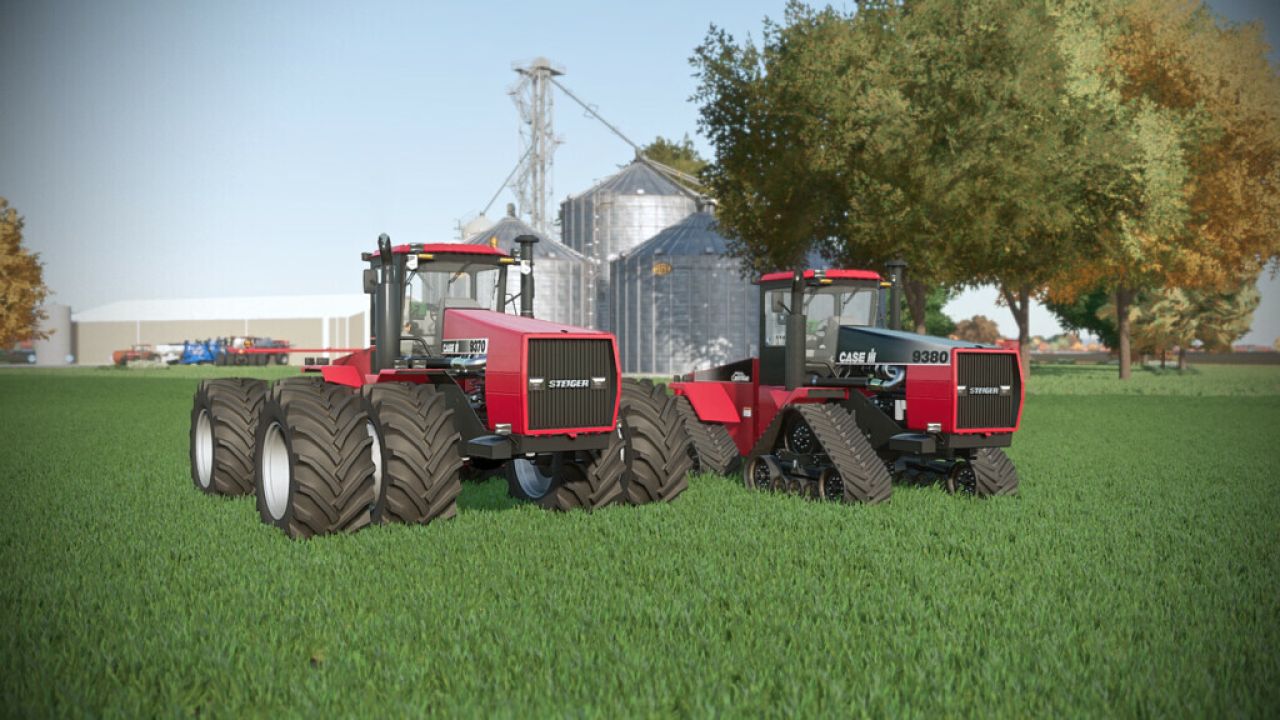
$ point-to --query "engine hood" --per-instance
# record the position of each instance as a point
(859, 345)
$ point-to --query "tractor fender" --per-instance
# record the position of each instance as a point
(710, 400)
(347, 375)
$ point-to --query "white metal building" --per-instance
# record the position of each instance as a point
(306, 321)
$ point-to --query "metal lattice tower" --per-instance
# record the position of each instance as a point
(532, 180)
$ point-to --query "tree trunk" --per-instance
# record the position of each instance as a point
(917, 298)
(1020, 305)
(1163, 357)
(1182, 358)
(1124, 297)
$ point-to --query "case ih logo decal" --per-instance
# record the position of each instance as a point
(470, 346)
(857, 357)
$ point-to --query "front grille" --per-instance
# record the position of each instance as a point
(551, 407)
(987, 370)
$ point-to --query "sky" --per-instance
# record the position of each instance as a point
(182, 149)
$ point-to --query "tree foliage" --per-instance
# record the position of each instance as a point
(680, 155)
(1081, 315)
(1196, 121)
(978, 329)
(22, 286)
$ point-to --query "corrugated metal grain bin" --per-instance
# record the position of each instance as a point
(617, 215)
(680, 303)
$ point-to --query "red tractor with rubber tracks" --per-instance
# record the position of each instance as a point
(840, 402)
(453, 385)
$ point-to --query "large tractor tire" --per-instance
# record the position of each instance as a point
(414, 429)
(711, 446)
(582, 481)
(315, 470)
(659, 448)
(988, 473)
(856, 473)
(224, 426)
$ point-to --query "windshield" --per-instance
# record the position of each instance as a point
(432, 288)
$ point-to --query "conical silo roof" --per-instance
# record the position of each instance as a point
(510, 227)
(637, 178)
(695, 235)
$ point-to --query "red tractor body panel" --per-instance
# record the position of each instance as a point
(933, 394)
(506, 375)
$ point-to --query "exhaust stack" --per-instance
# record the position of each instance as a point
(388, 303)
(526, 273)
(896, 268)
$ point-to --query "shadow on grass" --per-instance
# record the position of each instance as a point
(489, 495)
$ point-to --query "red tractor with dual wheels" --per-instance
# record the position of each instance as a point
(841, 403)
(455, 384)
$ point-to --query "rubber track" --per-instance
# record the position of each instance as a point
(994, 472)
(861, 471)
(713, 449)
(234, 405)
(660, 449)
(334, 471)
(420, 446)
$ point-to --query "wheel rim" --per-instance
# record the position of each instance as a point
(376, 450)
(533, 482)
(831, 485)
(275, 471)
(760, 475)
(204, 449)
(962, 479)
(800, 439)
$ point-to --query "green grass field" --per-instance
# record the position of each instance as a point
(1136, 575)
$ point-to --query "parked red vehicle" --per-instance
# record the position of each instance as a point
(452, 384)
(840, 402)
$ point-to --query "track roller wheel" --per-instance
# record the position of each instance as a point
(657, 451)
(860, 472)
(413, 426)
(762, 473)
(712, 447)
(224, 426)
(988, 473)
(315, 468)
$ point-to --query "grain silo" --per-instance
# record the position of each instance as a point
(618, 214)
(560, 273)
(681, 303)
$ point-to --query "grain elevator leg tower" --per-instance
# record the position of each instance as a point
(454, 383)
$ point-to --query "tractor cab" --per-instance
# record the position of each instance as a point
(825, 300)
(434, 279)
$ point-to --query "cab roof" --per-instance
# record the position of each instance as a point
(442, 249)
(833, 274)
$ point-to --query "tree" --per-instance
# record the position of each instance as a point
(815, 148)
(935, 321)
(1200, 106)
(1177, 318)
(1081, 315)
(22, 286)
(978, 329)
(682, 156)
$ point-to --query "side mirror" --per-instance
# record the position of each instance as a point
(370, 281)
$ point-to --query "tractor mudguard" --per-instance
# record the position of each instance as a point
(710, 400)
(347, 375)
